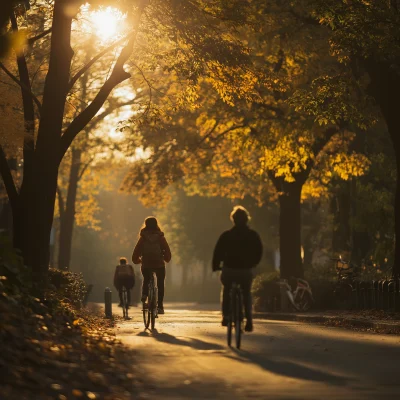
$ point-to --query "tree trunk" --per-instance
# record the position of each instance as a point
(290, 231)
(40, 197)
(67, 218)
(385, 88)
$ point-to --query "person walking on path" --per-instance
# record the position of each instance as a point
(239, 250)
(152, 251)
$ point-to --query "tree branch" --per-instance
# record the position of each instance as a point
(28, 106)
(96, 58)
(117, 76)
(33, 39)
(85, 167)
(8, 180)
(23, 87)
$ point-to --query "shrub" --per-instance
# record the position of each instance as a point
(265, 291)
(69, 286)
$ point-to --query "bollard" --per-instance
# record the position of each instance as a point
(108, 302)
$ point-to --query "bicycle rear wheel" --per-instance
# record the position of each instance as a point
(125, 304)
(147, 313)
(229, 331)
(153, 308)
(238, 317)
(232, 314)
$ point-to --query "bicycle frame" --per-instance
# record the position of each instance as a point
(302, 289)
(125, 304)
(151, 313)
(236, 314)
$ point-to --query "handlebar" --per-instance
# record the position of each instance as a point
(340, 260)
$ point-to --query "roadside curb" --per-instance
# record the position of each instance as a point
(389, 326)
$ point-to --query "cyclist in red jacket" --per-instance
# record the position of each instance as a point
(152, 251)
(239, 250)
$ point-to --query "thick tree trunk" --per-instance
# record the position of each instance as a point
(290, 231)
(67, 218)
(385, 87)
(40, 200)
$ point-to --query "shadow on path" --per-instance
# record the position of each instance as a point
(289, 369)
(196, 344)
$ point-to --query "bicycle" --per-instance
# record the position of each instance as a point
(346, 280)
(301, 298)
(151, 313)
(125, 303)
(236, 314)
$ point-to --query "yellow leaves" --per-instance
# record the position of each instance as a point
(348, 165)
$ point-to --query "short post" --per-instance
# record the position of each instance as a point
(108, 302)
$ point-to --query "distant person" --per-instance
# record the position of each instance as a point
(239, 250)
(124, 276)
(152, 251)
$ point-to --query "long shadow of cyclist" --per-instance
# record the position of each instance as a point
(196, 344)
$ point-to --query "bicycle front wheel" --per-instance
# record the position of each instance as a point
(147, 313)
(229, 332)
(125, 304)
(153, 309)
(238, 318)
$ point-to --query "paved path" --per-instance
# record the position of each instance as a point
(187, 358)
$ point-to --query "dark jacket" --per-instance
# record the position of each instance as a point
(126, 280)
(151, 236)
(240, 247)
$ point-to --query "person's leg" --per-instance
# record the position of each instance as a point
(226, 306)
(120, 297)
(129, 296)
(160, 274)
(145, 285)
(246, 290)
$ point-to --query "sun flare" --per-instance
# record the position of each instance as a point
(106, 23)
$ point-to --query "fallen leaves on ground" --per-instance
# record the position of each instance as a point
(49, 352)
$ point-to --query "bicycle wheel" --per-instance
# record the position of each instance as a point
(147, 313)
(303, 301)
(238, 317)
(231, 318)
(153, 308)
(125, 304)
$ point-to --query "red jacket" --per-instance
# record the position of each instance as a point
(153, 237)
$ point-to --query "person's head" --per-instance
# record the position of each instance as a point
(123, 260)
(240, 216)
(151, 224)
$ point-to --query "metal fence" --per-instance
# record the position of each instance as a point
(383, 294)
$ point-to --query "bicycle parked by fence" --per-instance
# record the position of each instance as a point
(345, 284)
(150, 313)
(301, 298)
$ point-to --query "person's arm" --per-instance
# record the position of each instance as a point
(137, 252)
(219, 253)
(115, 277)
(166, 250)
(258, 249)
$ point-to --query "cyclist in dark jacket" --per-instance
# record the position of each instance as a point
(239, 250)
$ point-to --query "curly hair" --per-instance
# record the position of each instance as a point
(239, 215)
